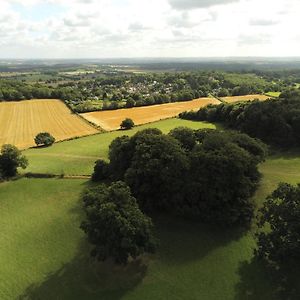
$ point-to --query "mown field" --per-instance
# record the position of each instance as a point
(43, 254)
(77, 157)
(233, 99)
(21, 121)
(111, 119)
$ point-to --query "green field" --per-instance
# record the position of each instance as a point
(273, 94)
(44, 255)
(77, 157)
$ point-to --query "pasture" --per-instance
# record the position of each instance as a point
(21, 121)
(111, 119)
(233, 99)
(44, 254)
(77, 157)
(273, 94)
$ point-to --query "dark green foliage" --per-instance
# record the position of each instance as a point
(276, 121)
(185, 136)
(11, 159)
(157, 172)
(279, 238)
(44, 138)
(127, 124)
(208, 174)
(101, 170)
(222, 180)
(120, 155)
(115, 225)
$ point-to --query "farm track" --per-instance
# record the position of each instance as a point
(21, 121)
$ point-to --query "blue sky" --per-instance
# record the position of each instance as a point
(143, 28)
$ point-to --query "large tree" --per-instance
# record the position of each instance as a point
(11, 159)
(279, 237)
(115, 225)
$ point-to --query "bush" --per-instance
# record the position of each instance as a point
(115, 225)
(44, 138)
(127, 124)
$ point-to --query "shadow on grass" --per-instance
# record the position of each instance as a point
(258, 282)
(182, 241)
(83, 278)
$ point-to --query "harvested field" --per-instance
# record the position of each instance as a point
(233, 99)
(111, 120)
(21, 121)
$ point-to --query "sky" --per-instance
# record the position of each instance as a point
(148, 28)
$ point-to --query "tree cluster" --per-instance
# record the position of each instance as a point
(276, 121)
(205, 174)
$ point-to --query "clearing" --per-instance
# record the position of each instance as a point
(111, 119)
(21, 121)
(233, 99)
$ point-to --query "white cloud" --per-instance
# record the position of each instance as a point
(106, 28)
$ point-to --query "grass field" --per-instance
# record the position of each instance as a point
(273, 94)
(233, 99)
(77, 157)
(111, 119)
(43, 254)
(21, 121)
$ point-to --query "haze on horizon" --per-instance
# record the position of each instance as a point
(156, 28)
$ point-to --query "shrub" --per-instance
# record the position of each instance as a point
(44, 138)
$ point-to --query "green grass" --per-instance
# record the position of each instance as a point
(77, 157)
(273, 94)
(43, 254)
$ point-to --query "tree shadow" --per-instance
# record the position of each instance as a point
(260, 282)
(182, 240)
(83, 278)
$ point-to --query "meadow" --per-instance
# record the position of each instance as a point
(44, 254)
(111, 119)
(233, 99)
(77, 157)
(21, 121)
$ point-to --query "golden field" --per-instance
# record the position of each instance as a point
(21, 121)
(233, 99)
(111, 119)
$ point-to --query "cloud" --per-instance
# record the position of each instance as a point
(263, 22)
(194, 4)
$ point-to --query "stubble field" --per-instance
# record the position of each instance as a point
(233, 99)
(21, 121)
(111, 120)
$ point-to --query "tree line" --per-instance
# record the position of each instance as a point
(275, 121)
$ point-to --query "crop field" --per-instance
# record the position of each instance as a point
(233, 99)
(111, 120)
(77, 157)
(21, 121)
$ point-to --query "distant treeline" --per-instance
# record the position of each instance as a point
(276, 121)
(132, 90)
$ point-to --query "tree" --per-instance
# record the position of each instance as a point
(101, 170)
(185, 136)
(115, 225)
(44, 138)
(11, 159)
(157, 172)
(280, 244)
(127, 124)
